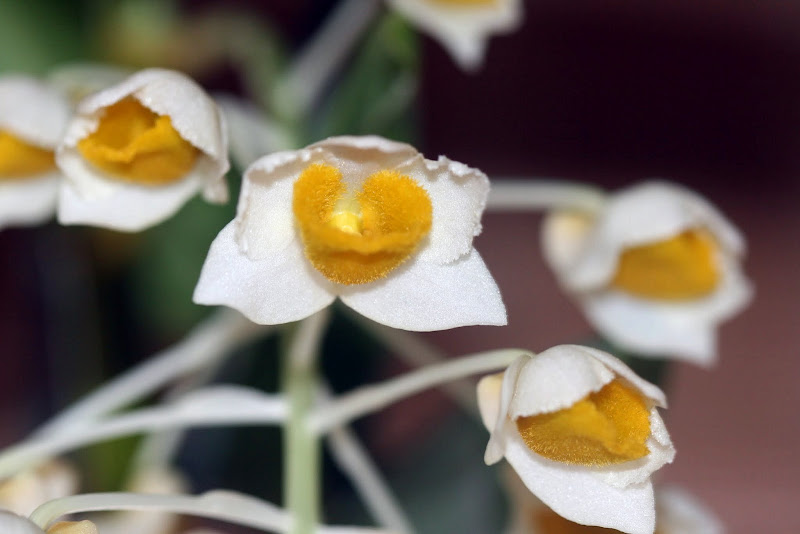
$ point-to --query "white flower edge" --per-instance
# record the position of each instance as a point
(258, 266)
(677, 511)
(11, 523)
(37, 114)
(91, 196)
(584, 255)
(462, 30)
(618, 496)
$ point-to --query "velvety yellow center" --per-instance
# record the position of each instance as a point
(359, 237)
(19, 159)
(73, 527)
(607, 427)
(135, 144)
(683, 267)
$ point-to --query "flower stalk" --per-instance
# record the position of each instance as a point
(301, 446)
(543, 194)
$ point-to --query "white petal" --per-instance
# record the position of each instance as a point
(680, 513)
(14, 524)
(458, 194)
(496, 448)
(125, 206)
(278, 289)
(557, 378)
(463, 30)
(426, 296)
(33, 111)
(579, 495)
(489, 395)
(685, 330)
(652, 392)
(647, 213)
(29, 200)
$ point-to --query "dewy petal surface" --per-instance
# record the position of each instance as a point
(278, 289)
(426, 296)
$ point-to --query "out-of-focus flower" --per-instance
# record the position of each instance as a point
(582, 432)
(656, 270)
(33, 117)
(137, 151)
(463, 26)
(24, 492)
(14, 524)
(677, 512)
(363, 218)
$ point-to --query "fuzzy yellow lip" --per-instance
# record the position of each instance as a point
(19, 159)
(359, 238)
(133, 143)
(680, 268)
(608, 427)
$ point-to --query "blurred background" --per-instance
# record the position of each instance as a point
(701, 92)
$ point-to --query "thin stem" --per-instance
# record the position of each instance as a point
(375, 493)
(417, 353)
(227, 506)
(369, 399)
(208, 342)
(325, 53)
(525, 194)
(301, 447)
(218, 406)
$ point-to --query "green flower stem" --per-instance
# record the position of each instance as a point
(527, 194)
(301, 446)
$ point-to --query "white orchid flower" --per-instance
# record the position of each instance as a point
(24, 492)
(656, 270)
(136, 152)
(33, 117)
(364, 219)
(463, 26)
(677, 512)
(582, 432)
(13, 524)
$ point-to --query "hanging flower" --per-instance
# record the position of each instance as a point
(24, 492)
(463, 26)
(364, 219)
(137, 151)
(33, 117)
(656, 270)
(582, 432)
(14, 524)
(677, 512)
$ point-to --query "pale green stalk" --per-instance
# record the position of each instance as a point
(526, 194)
(301, 446)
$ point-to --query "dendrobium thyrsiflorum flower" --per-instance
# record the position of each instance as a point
(136, 152)
(463, 26)
(656, 270)
(677, 512)
(13, 524)
(364, 219)
(33, 117)
(582, 432)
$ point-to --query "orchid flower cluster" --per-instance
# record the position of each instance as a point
(372, 223)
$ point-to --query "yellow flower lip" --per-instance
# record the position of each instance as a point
(682, 267)
(610, 426)
(363, 237)
(133, 143)
(20, 159)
